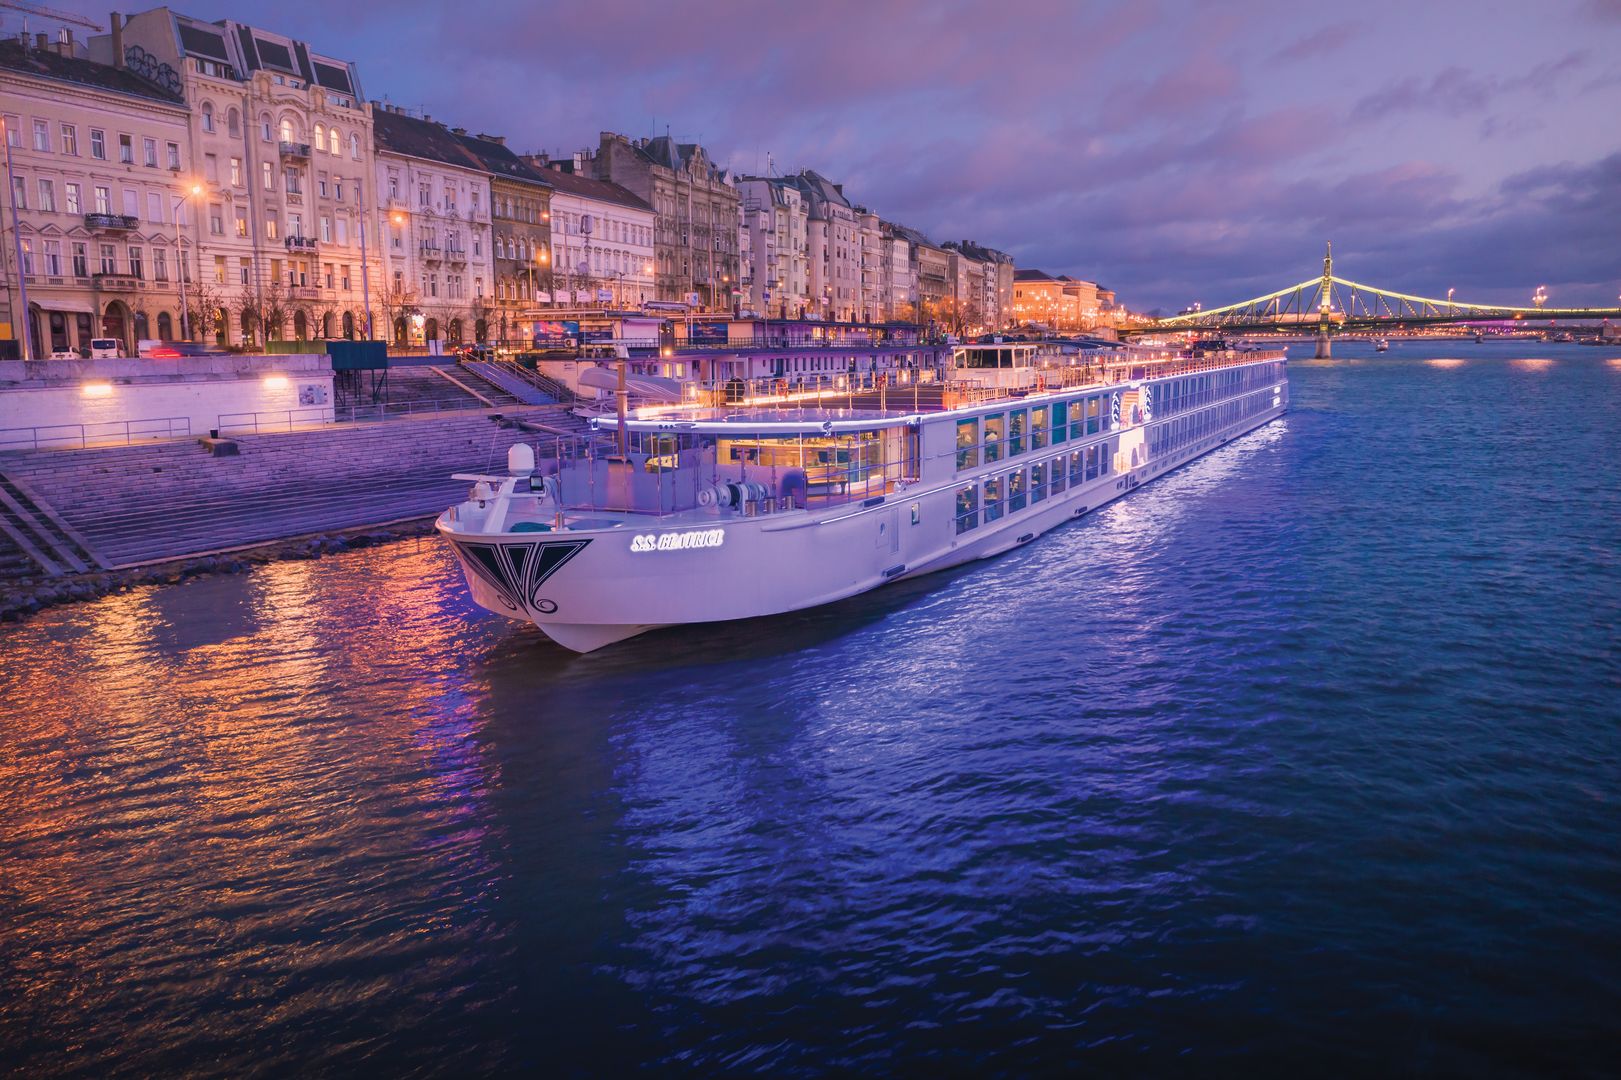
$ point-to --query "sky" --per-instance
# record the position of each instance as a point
(1175, 152)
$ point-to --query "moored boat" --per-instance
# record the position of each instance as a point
(735, 505)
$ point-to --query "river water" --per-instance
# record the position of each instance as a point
(1306, 755)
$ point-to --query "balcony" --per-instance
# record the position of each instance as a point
(116, 282)
(295, 198)
(299, 151)
(430, 251)
(456, 255)
(105, 222)
(303, 292)
(301, 243)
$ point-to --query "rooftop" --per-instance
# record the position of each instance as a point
(49, 64)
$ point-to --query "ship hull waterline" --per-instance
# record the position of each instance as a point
(585, 592)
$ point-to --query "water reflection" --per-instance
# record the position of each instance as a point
(1446, 362)
(1169, 785)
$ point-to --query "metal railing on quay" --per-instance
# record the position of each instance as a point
(258, 423)
(87, 436)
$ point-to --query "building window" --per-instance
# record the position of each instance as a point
(154, 207)
(236, 172)
(270, 225)
(219, 269)
(98, 144)
(70, 193)
(172, 150)
(241, 221)
(109, 259)
(28, 256)
(135, 269)
(160, 264)
(354, 146)
(233, 123)
(334, 145)
(268, 172)
(286, 130)
(208, 116)
(47, 196)
(42, 136)
(104, 200)
(70, 139)
(149, 152)
(320, 138)
(216, 220)
(81, 260)
(126, 149)
(211, 168)
(264, 127)
(244, 271)
(343, 230)
(320, 186)
(53, 258)
(14, 135)
(326, 229)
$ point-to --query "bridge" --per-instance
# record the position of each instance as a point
(1331, 304)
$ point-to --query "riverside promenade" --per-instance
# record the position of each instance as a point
(78, 522)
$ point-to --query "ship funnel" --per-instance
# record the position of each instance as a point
(520, 459)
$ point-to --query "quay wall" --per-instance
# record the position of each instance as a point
(115, 398)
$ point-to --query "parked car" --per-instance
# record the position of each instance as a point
(105, 348)
(474, 354)
(66, 354)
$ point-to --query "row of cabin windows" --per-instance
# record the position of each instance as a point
(1172, 435)
(1008, 493)
(996, 436)
(1192, 391)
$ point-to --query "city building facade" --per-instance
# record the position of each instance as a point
(434, 195)
(776, 219)
(603, 240)
(899, 281)
(521, 234)
(696, 204)
(1061, 303)
(97, 154)
(279, 178)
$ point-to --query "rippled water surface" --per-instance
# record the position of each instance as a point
(1307, 755)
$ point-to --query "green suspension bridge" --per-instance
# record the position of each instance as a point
(1330, 305)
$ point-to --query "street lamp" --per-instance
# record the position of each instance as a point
(1449, 296)
(180, 249)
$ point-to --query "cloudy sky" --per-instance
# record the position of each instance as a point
(1174, 151)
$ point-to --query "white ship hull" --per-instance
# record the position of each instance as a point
(590, 587)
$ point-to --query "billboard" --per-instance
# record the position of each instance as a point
(556, 332)
(707, 333)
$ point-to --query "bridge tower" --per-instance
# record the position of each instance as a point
(1325, 305)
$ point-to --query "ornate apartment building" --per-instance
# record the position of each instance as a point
(97, 157)
(777, 222)
(603, 240)
(434, 195)
(521, 233)
(696, 204)
(278, 180)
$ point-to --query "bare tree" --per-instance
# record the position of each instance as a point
(398, 301)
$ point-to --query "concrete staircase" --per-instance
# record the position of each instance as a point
(148, 503)
(482, 386)
(513, 379)
(34, 538)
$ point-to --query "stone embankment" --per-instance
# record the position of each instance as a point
(160, 511)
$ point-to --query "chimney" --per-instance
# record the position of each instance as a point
(64, 42)
(116, 21)
(42, 42)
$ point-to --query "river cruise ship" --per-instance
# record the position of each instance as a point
(753, 499)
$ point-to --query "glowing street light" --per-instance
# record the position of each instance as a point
(180, 252)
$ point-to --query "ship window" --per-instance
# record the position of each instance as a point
(1017, 422)
(1093, 407)
(1092, 453)
(1077, 423)
(993, 498)
(1015, 490)
(1038, 427)
(1055, 472)
(995, 425)
(1038, 483)
(967, 508)
(967, 444)
(1060, 422)
(1077, 466)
